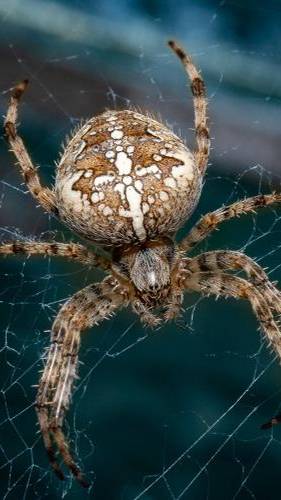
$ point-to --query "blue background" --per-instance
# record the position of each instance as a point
(180, 407)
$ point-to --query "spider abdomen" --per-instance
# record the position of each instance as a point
(125, 178)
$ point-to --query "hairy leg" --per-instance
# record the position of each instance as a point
(223, 260)
(200, 107)
(86, 308)
(210, 221)
(72, 251)
(174, 305)
(145, 314)
(226, 285)
(45, 196)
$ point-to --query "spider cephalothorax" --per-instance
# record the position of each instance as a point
(149, 273)
(127, 183)
(147, 266)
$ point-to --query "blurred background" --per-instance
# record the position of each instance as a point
(175, 413)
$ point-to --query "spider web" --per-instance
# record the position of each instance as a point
(174, 413)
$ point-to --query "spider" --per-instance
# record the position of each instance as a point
(127, 183)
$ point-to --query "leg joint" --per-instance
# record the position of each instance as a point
(10, 131)
(198, 87)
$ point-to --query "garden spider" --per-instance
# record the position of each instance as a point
(127, 183)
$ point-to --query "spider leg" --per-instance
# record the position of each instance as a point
(226, 285)
(86, 308)
(200, 107)
(45, 196)
(46, 436)
(223, 260)
(143, 311)
(72, 251)
(174, 305)
(274, 421)
(210, 221)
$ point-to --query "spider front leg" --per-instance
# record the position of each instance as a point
(71, 251)
(45, 196)
(223, 260)
(210, 221)
(200, 107)
(86, 308)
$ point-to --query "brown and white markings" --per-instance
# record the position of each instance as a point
(125, 178)
(126, 182)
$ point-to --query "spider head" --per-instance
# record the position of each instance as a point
(148, 266)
